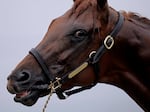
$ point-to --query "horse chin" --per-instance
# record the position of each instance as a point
(27, 98)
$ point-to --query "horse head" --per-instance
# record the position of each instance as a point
(73, 53)
(67, 44)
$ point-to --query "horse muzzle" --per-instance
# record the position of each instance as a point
(21, 85)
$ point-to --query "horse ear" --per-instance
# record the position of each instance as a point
(102, 3)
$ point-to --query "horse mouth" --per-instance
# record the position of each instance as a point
(27, 94)
(27, 98)
(23, 94)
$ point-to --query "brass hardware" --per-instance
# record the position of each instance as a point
(78, 70)
(109, 42)
(55, 85)
(92, 53)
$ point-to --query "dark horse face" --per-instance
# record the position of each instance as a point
(67, 43)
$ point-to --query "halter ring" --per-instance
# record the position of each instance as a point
(92, 54)
(55, 85)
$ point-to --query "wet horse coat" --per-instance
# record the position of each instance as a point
(69, 41)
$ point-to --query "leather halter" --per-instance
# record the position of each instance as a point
(94, 57)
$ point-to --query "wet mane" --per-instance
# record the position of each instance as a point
(135, 17)
(80, 6)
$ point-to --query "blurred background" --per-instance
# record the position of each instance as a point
(23, 23)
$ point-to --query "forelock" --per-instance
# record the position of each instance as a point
(80, 6)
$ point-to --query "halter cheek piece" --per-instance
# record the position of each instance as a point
(55, 83)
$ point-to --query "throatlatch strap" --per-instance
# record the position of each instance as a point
(69, 93)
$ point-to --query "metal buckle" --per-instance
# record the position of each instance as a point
(109, 42)
(55, 85)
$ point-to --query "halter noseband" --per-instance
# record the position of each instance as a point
(94, 57)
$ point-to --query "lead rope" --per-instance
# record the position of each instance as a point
(47, 101)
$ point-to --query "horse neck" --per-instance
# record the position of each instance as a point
(127, 64)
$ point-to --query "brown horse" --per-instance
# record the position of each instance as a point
(91, 43)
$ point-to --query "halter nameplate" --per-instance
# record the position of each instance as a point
(78, 70)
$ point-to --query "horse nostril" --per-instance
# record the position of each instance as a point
(24, 76)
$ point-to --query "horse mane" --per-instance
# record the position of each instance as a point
(137, 18)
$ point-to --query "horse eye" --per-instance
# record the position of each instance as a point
(80, 34)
